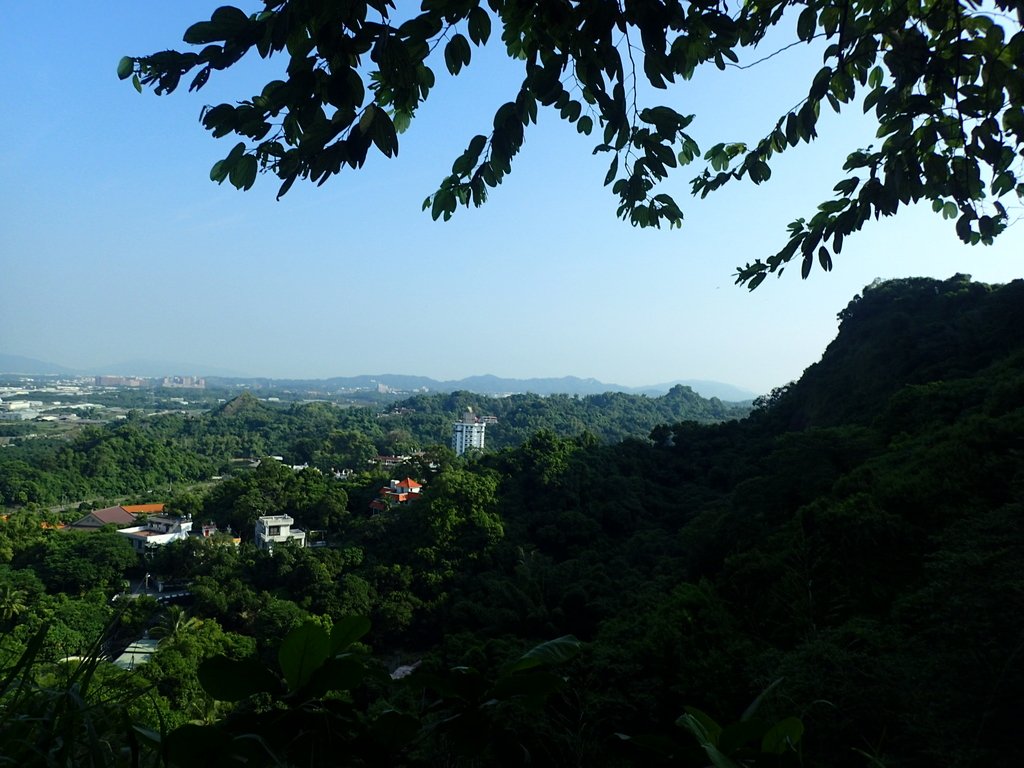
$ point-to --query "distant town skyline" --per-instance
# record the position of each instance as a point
(115, 246)
(146, 374)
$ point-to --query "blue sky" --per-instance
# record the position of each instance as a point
(114, 245)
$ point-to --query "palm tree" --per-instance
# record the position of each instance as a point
(174, 626)
(12, 603)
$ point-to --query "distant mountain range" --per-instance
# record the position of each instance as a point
(484, 385)
(147, 369)
(496, 385)
(32, 367)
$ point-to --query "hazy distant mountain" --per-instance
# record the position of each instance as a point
(496, 385)
(485, 384)
(704, 388)
(31, 366)
(154, 369)
(573, 385)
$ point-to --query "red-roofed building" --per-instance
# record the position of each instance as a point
(118, 516)
(398, 492)
(143, 509)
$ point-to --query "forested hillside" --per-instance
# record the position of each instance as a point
(851, 553)
(142, 455)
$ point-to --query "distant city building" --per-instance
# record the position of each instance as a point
(19, 410)
(277, 529)
(18, 405)
(468, 434)
(119, 381)
(183, 382)
(24, 414)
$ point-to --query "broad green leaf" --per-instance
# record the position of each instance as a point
(233, 680)
(442, 203)
(384, 135)
(479, 25)
(806, 24)
(738, 735)
(125, 67)
(243, 172)
(824, 258)
(302, 652)
(707, 733)
(219, 172)
(783, 736)
(457, 53)
(700, 725)
(613, 169)
(552, 652)
(805, 266)
(347, 630)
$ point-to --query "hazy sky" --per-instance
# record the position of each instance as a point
(114, 245)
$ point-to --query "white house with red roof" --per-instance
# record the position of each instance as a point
(396, 493)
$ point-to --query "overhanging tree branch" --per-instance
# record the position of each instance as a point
(353, 84)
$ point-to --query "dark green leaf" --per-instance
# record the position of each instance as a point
(783, 736)
(824, 258)
(552, 652)
(302, 652)
(233, 680)
(479, 25)
(806, 23)
(613, 169)
(457, 53)
(347, 630)
(243, 172)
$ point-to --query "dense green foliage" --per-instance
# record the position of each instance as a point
(142, 456)
(943, 79)
(852, 551)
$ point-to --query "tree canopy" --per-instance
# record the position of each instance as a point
(943, 79)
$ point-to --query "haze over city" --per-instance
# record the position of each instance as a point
(116, 246)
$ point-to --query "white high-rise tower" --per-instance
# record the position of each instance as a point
(468, 434)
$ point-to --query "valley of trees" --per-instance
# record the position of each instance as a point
(146, 455)
(848, 556)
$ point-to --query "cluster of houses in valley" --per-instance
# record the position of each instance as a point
(147, 526)
(144, 525)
